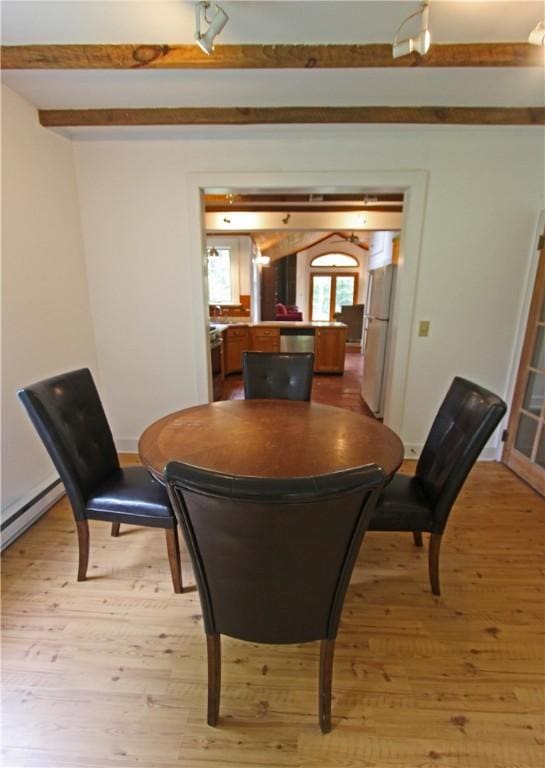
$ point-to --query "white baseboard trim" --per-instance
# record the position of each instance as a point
(19, 516)
(126, 444)
(413, 450)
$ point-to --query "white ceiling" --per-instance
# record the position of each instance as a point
(328, 21)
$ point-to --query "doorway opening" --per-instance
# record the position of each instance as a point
(412, 184)
(302, 257)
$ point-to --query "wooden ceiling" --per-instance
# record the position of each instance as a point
(278, 57)
(278, 244)
(311, 202)
(82, 67)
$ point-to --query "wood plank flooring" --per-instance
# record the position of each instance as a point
(112, 671)
(329, 389)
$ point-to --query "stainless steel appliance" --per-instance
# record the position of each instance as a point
(376, 327)
(216, 360)
(296, 339)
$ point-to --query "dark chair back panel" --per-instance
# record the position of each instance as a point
(273, 558)
(68, 415)
(283, 375)
(464, 423)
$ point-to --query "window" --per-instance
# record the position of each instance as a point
(334, 260)
(219, 276)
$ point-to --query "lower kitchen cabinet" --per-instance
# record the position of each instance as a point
(236, 342)
(329, 346)
(265, 339)
(329, 350)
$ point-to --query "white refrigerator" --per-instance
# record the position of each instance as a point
(376, 325)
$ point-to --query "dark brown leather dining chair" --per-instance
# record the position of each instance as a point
(421, 503)
(68, 416)
(283, 375)
(272, 558)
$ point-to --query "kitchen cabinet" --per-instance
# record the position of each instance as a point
(265, 339)
(236, 341)
(329, 343)
(329, 350)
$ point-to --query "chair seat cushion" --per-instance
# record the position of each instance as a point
(131, 495)
(402, 506)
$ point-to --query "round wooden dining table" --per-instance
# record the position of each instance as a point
(269, 438)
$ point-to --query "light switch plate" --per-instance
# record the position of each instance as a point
(424, 328)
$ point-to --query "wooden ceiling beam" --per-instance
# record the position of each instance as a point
(254, 208)
(132, 56)
(289, 198)
(62, 118)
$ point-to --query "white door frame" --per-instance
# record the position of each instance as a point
(524, 309)
(413, 184)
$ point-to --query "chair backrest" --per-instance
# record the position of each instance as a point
(273, 557)
(466, 419)
(283, 375)
(68, 416)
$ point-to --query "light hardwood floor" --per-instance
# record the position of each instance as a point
(111, 672)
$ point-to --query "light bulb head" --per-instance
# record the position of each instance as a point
(422, 42)
(537, 35)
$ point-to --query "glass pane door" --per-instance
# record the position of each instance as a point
(329, 292)
(321, 297)
(345, 286)
(525, 445)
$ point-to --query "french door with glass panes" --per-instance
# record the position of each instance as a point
(329, 292)
(524, 449)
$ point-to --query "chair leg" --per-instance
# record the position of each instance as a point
(417, 538)
(213, 650)
(327, 652)
(173, 549)
(82, 527)
(115, 529)
(433, 562)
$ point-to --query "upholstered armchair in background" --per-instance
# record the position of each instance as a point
(282, 375)
(352, 316)
(284, 312)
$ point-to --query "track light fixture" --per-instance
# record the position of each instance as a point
(206, 39)
(262, 260)
(286, 218)
(537, 35)
(420, 43)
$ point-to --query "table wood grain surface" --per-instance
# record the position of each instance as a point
(269, 438)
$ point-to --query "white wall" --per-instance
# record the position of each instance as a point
(140, 209)
(46, 321)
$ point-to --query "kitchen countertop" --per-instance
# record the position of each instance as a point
(277, 324)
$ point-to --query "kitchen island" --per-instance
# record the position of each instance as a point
(326, 340)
